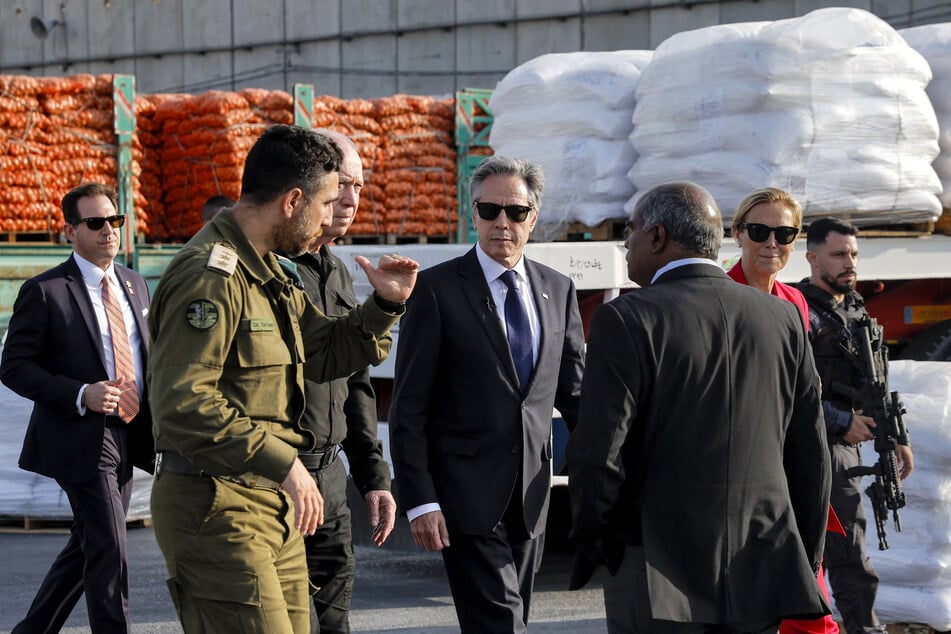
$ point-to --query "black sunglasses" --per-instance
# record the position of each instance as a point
(491, 211)
(98, 222)
(760, 233)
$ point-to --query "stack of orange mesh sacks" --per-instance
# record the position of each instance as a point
(418, 171)
(204, 140)
(356, 118)
(55, 134)
(145, 146)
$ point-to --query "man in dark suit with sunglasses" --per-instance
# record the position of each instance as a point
(489, 343)
(77, 347)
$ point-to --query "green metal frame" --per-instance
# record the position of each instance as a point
(123, 99)
(473, 127)
(304, 105)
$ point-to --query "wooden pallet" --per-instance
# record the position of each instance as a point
(31, 523)
(612, 229)
(943, 223)
(900, 230)
(392, 238)
(32, 237)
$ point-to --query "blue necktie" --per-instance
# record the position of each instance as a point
(519, 333)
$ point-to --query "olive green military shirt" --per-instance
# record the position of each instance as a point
(230, 337)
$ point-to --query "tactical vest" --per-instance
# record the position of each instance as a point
(832, 332)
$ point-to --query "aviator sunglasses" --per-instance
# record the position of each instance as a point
(98, 222)
(491, 211)
(760, 233)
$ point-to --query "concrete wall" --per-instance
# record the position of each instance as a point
(362, 48)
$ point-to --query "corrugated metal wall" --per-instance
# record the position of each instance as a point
(361, 48)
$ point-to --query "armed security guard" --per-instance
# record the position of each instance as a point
(836, 315)
(231, 335)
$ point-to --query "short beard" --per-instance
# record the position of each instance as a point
(293, 237)
(839, 287)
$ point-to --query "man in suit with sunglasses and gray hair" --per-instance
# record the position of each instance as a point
(77, 347)
(490, 342)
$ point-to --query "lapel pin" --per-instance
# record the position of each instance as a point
(128, 286)
(544, 295)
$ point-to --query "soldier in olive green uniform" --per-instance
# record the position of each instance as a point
(231, 335)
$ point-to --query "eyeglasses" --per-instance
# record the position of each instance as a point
(491, 211)
(98, 222)
(760, 233)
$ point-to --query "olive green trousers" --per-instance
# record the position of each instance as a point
(235, 561)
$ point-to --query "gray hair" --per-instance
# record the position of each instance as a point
(339, 138)
(498, 165)
(682, 209)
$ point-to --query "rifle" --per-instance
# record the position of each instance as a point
(886, 409)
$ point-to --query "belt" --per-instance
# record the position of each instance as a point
(319, 458)
(174, 463)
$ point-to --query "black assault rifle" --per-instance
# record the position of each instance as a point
(870, 356)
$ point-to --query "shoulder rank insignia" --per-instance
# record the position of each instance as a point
(223, 258)
(202, 314)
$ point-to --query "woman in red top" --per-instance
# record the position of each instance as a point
(765, 227)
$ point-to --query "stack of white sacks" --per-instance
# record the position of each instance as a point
(830, 107)
(25, 494)
(933, 41)
(571, 113)
(915, 571)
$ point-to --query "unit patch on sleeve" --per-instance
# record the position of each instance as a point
(202, 314)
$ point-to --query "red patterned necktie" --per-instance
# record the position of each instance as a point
(122, 353)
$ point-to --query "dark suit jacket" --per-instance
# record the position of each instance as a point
(53, 346)
(460, 428)
(701, 437)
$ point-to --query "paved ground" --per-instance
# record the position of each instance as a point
(396, 590)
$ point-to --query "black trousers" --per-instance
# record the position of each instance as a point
(492, 576)
(852, 576)
(330, 561)
(94, 560)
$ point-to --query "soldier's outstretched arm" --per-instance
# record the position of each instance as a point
(394, 277)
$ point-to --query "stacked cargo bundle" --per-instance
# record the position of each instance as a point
(571, 113)
(57, 133)
(204, 142)
(356, 118)
(933, 41)
(830, 107)
(914, 585)
(419, 165)
(145, 148)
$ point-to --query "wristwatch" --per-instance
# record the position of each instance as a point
(394, 308)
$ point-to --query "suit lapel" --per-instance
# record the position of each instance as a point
(136, 302)
(479, 296)
(77, 288)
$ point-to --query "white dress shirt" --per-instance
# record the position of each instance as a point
(92, 278)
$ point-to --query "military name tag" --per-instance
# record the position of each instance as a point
(201, 314)
(261, 325)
